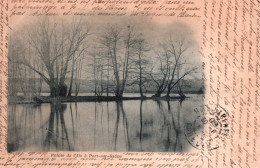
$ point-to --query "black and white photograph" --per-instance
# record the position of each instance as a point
(103, 84)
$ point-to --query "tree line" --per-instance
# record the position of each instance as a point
(115, 58)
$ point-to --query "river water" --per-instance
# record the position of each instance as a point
(133, 125)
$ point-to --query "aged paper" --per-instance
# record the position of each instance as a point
(219, 127)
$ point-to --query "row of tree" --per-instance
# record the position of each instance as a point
(116, 57)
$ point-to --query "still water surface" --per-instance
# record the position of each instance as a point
(132, 125)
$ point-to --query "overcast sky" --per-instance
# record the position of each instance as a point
(153, 31)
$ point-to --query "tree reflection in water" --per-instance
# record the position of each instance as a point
(167, 124)
(56, 137)
(119, 110)
(143, 125)
(175, 128)
(22, 121)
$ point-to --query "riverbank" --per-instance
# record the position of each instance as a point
(47, 99)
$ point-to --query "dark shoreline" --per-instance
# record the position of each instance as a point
(47, 99)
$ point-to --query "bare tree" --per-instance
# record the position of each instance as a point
(173, 66)
(100, 76)
(40, 80)
(98, 64)
(108, 72)
(13, 70)
(102, 73)
(55, 45)
(77, 78)
(139, 73)
(179, 67)
(161, 75)
(115, 42)
(21, 78)
(74, 61)
(93, 65)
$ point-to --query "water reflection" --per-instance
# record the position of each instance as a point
(139, 125)
(119, 110)
(57, 136)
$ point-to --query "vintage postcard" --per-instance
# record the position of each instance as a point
(130, 83)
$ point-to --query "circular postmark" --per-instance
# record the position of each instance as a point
(209, 128)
